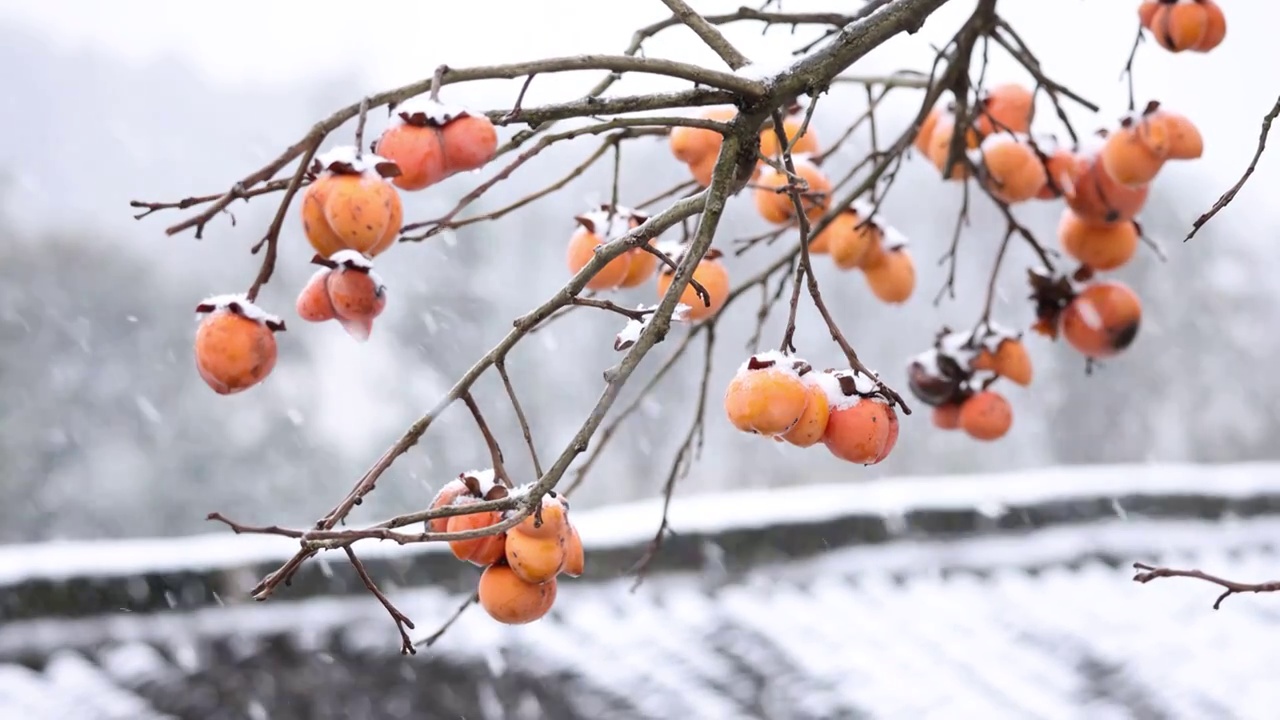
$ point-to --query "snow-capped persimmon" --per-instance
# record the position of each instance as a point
(513, 601)
(862, 428)
(350, 205)
(447, 494)
(235, 345)
(695, 146)
(805, 144)
(892, 277)
(582, 250)
(947, 416)
(1215, 30)
(1101, 246)
(1183, 138)
(1010, 360)
(313, 304)
(535, 550)
(1134, 153)
(1010, 168)
(847, 239)
(418, 150)
(766, 395)
(986, 415)
(575, 557)
(811, 426)
(775, 203)
(1180, 26)
(711, 274)
(356, 292)
(470, 141)
(925, 133)
(484, 550)
(1008, 107)
(1099, 198)
(1102, 320)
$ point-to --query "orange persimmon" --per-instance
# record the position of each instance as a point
(812, 424)
(776, 204)
(695, 146)
(1101, 246)
(986, 415)
(484, 550)
(766, 395)
(1008, 107)
(1102, 320)
(1010, 168)
(712, 275)
(1010, 360)
(235, 344)
(313, 304)
(892, 277)
(511, 600)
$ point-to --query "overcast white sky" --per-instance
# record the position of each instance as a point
(1082, 42)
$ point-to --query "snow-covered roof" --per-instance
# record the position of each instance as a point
(994, 597)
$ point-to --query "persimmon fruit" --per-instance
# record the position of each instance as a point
(862, 427)
(766, 395)
(1134, 153)
(1008, 107)
(694, 146)
(812, 424)
(484, 550)
(511, 600)
(892, 278)
(418, 150)
(313, 304)
(712, 274)
(946, 416)
(847, 239)
(1102, 320)
(776, 206)
(804, 144)
(1101, 246)
(470, 142)
(986, 415)
(1098, 198)
(1010, 360)
(1180, 26)
(1010, 168)
(235, 344)
(350, 205)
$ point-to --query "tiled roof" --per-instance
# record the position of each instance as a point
(917, 623)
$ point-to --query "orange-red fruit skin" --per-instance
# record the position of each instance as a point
(233, 353)
(512, 601)
(714, 278)
(313, 303)
(986, 416)
(864, 433)
(470, 142)
(1103, 319)
(419, 153)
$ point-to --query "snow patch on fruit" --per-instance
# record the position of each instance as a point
(865, 389)
(349, 159)
(237, 303)
(1088, 313)
(485, 479)
(356, 261)
(608, 225)
(422, 110)
(773, 359)
(866, 211)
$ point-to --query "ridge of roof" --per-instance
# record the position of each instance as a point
(741, 529)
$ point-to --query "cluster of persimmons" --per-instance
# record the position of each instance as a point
(351, 212)
(955, 378)
(521, 565)
(783, 397)
(856, 239)
(1104, 181)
